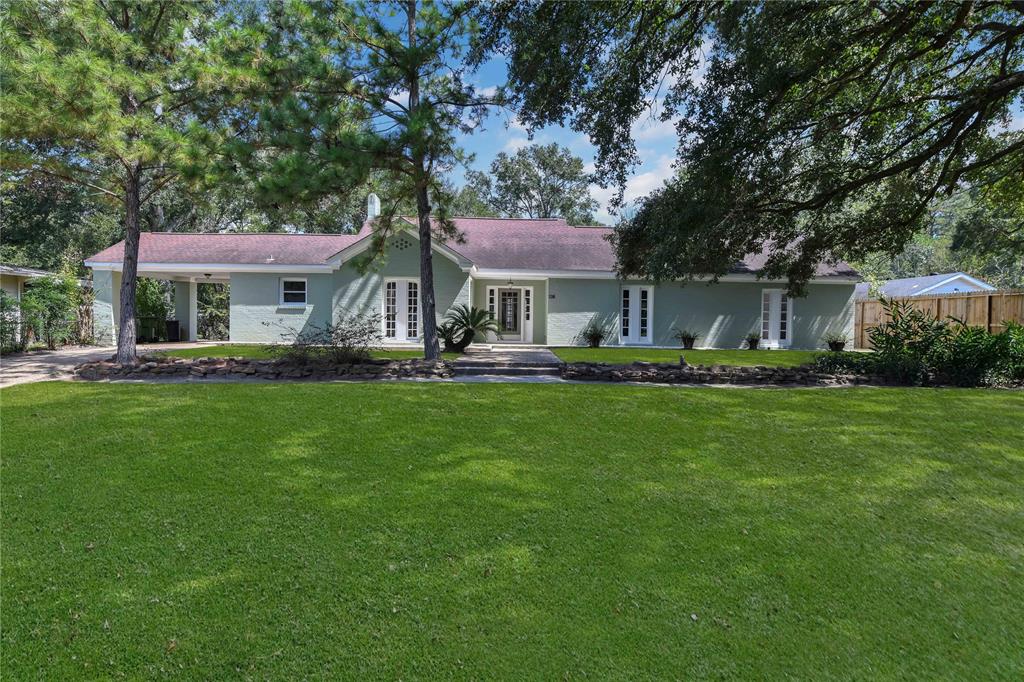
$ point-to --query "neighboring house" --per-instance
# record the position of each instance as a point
(14, 277)
(928, 285)
(545, 282)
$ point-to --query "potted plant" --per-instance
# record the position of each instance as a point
(593, 334)
(686, 337)
(753, 339)
(835, 342)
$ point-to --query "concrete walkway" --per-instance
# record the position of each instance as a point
(533, 355)
(46, 365)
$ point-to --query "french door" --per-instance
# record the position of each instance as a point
(776, 313)
(635, 314)
(401, 310)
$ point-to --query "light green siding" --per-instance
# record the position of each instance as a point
(181, 311)
(540, 301)
(256, 316)
(356, 293)
(106, 306)
(722, 314)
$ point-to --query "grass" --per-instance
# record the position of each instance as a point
(510, 531)
(257, 352)
(742, 358)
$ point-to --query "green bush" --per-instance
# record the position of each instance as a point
(914, 348)
(904, 343)
(1011, 364)
(966, 356)
(462, 324)
(49, 309)
(11, 339)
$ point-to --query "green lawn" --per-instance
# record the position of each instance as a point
(744, 358)
(256, 352)
(509, 531)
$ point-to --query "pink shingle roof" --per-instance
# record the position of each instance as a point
(233, 249)
(490, 243)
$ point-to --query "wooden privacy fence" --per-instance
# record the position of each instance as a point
(988, 309)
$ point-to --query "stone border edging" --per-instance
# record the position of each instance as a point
(157, 367)
(715, 374)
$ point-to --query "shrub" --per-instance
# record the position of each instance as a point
(1011, 365)
(966, 356)
(845, 363)
(49, 309)
(346, 341)
(594, 334)
(463, 323)
(753, 340)
(686, 337)
(904, 343)
(11, 339)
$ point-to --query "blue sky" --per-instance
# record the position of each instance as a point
(501, 131)
(655, 140)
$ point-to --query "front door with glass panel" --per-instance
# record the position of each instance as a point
(401, 310)
(635, 315)
(776, 308)
(510, 314)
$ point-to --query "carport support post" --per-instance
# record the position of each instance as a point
(193, 312)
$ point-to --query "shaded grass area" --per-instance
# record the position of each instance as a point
(740, 358)
(428, 531)
(258, 352)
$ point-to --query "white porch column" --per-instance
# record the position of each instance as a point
(193, 312)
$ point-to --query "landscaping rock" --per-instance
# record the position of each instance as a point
(156, 367)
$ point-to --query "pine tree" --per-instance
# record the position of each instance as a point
(112, 95)
(356, 90)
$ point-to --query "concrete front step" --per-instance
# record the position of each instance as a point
(465, 369)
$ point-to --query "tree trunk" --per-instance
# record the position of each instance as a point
(129, 269)
(428, 309)
(431, 348)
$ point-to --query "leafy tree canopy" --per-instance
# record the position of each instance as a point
(113, 95)
(354, 89)
(810, 130)
(537, 181)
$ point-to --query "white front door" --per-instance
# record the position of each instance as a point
(635, 314)
(776, 311)
(401, 310)
(512, 307)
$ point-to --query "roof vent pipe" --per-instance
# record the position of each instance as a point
(372, 206)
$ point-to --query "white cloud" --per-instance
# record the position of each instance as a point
(637, 187)
(652, 128)
(515, 143)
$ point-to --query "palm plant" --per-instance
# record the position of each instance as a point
(463, 323)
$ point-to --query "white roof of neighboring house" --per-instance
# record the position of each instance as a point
(919, 286)
(18, 271)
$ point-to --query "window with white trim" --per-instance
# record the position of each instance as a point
(526, 304)
(644, 295)
(625, 313)
(390, 309)
(293, 292)
(413, 311)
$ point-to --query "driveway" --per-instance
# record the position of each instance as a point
(46, 365)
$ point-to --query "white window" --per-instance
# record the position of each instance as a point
(293, 293)
(636, 313)
(776, 318)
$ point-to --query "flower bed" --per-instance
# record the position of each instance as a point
(157, 367)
